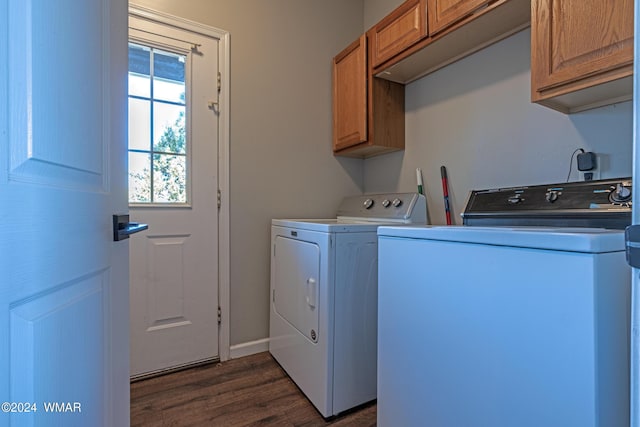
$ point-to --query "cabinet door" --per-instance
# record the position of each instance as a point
(350, 95)
(443, 13)
(577, 39)
(399, 30)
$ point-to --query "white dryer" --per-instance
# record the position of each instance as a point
(324, 297)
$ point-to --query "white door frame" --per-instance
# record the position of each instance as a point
(223, 155)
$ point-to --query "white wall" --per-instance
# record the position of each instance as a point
(475, 117)
(282, 165)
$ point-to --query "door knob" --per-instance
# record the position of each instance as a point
(122, 228)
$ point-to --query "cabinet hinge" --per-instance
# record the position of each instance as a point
(219, 81)
(273, 296)
(219, 315)
(219, 198)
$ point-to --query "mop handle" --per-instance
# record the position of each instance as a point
(445, 192)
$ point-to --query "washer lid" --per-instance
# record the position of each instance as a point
(590, 240)
(329, 225)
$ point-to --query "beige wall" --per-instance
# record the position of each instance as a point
(475, 117)
(281, 160)
(375, 10)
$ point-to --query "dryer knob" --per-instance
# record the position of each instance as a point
(368, 204)
(386, 203)
(396, 203)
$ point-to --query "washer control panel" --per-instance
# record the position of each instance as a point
(603, 203)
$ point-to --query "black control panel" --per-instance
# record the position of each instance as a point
(603, 204)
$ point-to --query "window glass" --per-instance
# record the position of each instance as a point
(139, 124)
(168, 125)
(157, 126)
(169, 186)
(139, 70)
(139, 177)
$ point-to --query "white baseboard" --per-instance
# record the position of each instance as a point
(249, 348)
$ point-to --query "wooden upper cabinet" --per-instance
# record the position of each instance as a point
(457, 29)
(577, 45)
(350, 95)
(368, 112)
(400, 29)
(444, 13)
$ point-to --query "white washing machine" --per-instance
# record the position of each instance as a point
(323, 321)
(508, 326)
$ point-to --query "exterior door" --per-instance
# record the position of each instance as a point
(173, 185)
(64, 295)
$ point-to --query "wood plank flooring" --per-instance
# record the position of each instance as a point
(250, 391)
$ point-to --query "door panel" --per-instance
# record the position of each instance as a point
(166, 289)
(42, 113)
(42, 329)
(174, 273)
(167, 292)
(64, 293)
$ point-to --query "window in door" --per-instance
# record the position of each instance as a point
(158, 157)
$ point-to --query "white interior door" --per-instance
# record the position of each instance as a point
(635, 277)
(173, 156)
(63, 280)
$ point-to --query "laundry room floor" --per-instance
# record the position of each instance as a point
(248, 391)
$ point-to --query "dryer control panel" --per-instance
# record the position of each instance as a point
(388, 207)
(603, 204)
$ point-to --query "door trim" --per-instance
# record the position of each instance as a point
(223, 157)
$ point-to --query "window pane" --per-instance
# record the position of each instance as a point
(168, 76)
(139, 177)
(168, 128)
(139, 124)
(139, 85)
(139, 67)
(168, 90)
(169, 178)
(168, 66)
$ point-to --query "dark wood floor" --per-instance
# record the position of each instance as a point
(250, 391)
